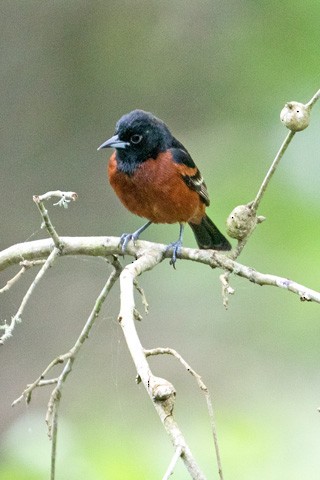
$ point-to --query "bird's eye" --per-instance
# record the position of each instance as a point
(136, 138)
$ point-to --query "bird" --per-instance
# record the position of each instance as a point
(155, 177)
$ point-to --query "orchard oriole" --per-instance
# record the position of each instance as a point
(155, 177)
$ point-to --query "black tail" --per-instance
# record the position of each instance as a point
(208, 236)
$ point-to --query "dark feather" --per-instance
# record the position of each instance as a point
(195, 180)
(209, 236)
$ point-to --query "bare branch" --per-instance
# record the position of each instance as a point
(13, 280)
(172, 464)
(203, 388)
(69, 358)
(271, 170)
(39, 382)
(160, 391)
(63, 196)
(307, 107)
(104, 246)
(243, 219)
(47, 223)
(25, 266)
(8, 328)
(143, 296)
(54, 401)
(226, 289)
(314, 99)
(45, 383)
(305, 293)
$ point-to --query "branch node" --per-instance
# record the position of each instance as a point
(242, 221)
(162, 390)
(226, 289)
(304, 297)
(137, 315)
(295, 116)
(261, 218)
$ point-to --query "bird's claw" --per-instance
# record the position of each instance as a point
(176, 247)
(125, 239)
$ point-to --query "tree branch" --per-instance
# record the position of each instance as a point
(172, 464)
(272, 169)
(160, 391)
(203, 388)
(69, 358)
(8, 328)
(64, 197)
(104, 246)
(243, 219)
(313, 100)
(24, 267)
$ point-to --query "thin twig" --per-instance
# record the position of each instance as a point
(45, 383)
(25, 266)
(63, 196)
(271, 170)
(47, 223)
(203, 388)
(255, 204)
(70, 356)
(313, 100)
(226, 288)
(172, 464)
(304, 293)
(13, 280)
(27, 393)
(278, 157)
(54, 401)
(8, 328)
(143, 296)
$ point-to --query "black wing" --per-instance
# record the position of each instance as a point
(190, 173)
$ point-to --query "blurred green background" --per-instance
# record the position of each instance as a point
(218, 73)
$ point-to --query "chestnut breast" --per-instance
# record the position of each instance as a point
(157, 191)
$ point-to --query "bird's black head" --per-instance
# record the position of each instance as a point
(139, 135)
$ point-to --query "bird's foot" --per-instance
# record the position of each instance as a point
(125, 239)
(176, 247)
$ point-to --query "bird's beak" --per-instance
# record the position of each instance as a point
(114, 142)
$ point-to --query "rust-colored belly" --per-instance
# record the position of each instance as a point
(157, 192)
